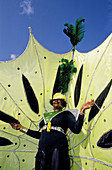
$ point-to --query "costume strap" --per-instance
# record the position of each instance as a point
(59, 129)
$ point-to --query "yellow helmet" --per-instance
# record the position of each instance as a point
(60, 97)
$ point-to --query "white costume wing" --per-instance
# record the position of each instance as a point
(26, 86)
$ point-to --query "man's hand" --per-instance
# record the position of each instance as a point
(16, 126)
(87, 106)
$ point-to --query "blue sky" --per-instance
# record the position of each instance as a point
(47, 19)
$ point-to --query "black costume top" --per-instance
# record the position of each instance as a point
(54, 139)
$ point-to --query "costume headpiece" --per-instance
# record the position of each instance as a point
(67, 68)
(60, 97)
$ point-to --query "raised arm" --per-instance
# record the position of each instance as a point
(76, 125)
(86, 106)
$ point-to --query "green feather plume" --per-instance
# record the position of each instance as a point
(75, 33)
(66, 71)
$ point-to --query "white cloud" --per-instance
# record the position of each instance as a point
(13, 56)
(26, 7)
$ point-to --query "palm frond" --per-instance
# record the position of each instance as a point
(75, 33)
(79, 30)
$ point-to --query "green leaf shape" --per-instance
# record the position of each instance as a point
(75, 33)
(67, 69)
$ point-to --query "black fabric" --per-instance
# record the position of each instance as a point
(54, 159)
(66, 120)
(34, 134)
(49, 141)
(106, 140)
(5, 141)
(7, 118)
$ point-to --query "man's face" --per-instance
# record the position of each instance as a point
(57, 104)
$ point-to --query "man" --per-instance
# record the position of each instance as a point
(53, 145)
